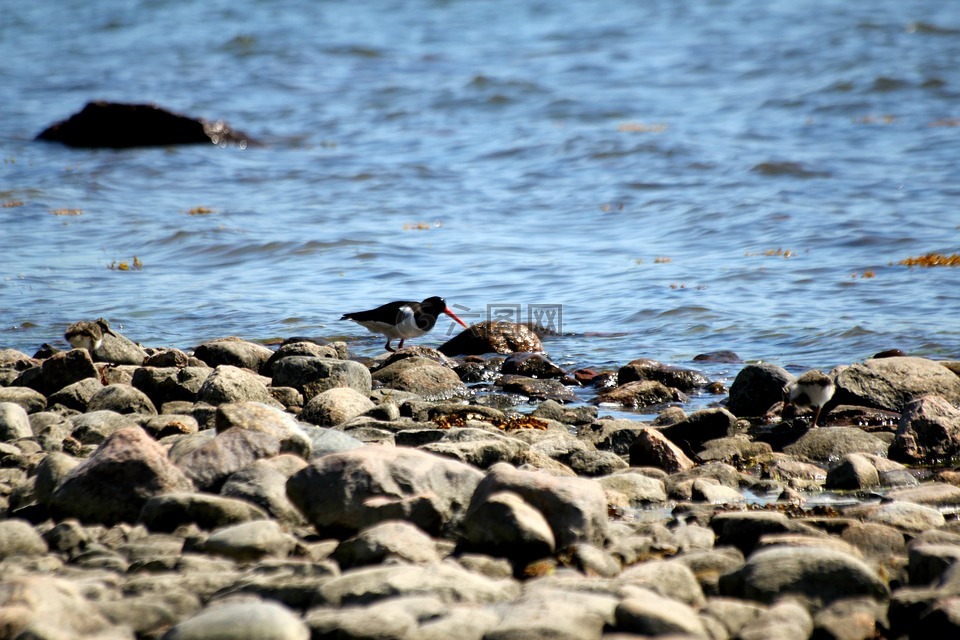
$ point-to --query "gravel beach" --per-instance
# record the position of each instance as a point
(242, 491)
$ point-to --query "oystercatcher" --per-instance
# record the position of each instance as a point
(403, 319)
(87, 335)
(811, 389)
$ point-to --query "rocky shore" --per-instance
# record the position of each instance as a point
(239, 491)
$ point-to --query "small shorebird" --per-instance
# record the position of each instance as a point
(812, 389)
(87, 335)
(403, 319)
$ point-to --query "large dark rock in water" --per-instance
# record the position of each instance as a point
(492, 336)
(117, 126)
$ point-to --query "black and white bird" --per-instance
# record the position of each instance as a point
(87, 335)
(811, 389)
(403, 319)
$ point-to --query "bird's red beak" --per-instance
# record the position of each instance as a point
(454, 316)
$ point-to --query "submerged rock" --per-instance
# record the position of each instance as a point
(115, 125)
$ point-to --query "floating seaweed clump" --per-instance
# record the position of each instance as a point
(932, 260)
(123, 265)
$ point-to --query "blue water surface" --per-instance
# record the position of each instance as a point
(681, 177)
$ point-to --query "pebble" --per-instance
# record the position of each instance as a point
(230, 513)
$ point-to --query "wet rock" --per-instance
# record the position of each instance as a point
(892, 383)
(335, 406)
(653, 449)
(19, 538)
(264, 483)
(756, 388)
(553, 410)
(718, 356)
(235, 352)
(168, 511)
(492, 336)
(612, 435)
(233, 384)
(129, 459)
(121, 398)
(250, 541)
(854, 471)
(645, 393)
(446, 581)
(671, 376)
(170, 384)
(211, 463)
(929, 431)
(645, 613)
(348, 491)
(827, 444)
(503, 524)
(14, 422)
(246, 620)
(115, 125)
(818, 575)
(531, 365)
(254, 416)
(536, 388)
(311, 375)
(394, 539)
(30, 399)
(422, 376)
(575, 507)
(58, 371)
(709, 490)
(738, 450)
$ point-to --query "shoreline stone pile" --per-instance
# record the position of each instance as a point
(247, 492)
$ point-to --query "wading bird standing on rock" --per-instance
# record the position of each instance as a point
(87, 335)
(402, 319)
(811, 389)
